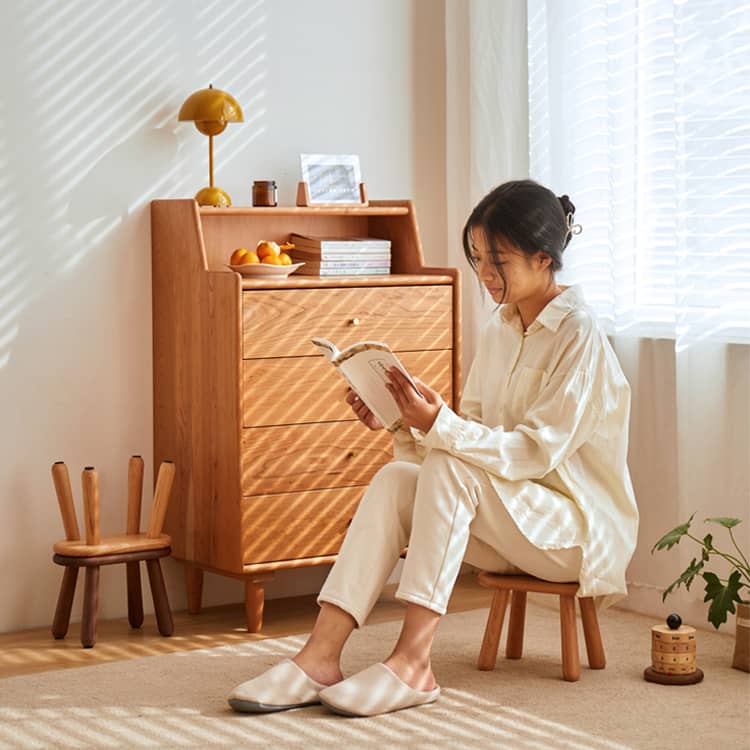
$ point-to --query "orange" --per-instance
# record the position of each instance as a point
(250, 257)
(267, 248)
(285, 259)
(237, 255)
(272, 259)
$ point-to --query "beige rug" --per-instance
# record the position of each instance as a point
(178, 700)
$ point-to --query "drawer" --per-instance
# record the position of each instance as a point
(295, 390)
(294, 525)
(291, 458)
(280, 323)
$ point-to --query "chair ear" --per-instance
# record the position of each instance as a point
(135, 492)
(90, 482)
(161, 499)
(61, 478)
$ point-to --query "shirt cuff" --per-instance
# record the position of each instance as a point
(445, 431)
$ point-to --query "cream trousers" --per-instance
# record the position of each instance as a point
(447, 511)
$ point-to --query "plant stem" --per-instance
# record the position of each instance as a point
(735, 562)
(734, 541)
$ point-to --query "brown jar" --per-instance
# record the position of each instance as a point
(264, 193)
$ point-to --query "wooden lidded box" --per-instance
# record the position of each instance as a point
(270, 460)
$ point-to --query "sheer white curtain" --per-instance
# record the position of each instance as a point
(640, 112)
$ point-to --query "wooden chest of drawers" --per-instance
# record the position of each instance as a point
(270, 460)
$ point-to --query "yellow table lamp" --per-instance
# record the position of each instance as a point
(211, 109)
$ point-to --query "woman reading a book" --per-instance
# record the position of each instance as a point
(531, 476)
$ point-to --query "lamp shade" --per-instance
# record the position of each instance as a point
(211, 105)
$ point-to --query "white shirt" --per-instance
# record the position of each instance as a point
(545, 409)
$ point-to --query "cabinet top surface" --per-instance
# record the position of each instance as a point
(304, 211)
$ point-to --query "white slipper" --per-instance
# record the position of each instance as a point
(375, 690)
(285, 685)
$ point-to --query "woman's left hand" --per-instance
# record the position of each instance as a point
(418, 408)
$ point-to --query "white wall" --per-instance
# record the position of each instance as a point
(88, 136)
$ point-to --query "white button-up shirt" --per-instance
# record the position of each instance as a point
(546, 415)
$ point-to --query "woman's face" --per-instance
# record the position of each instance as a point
(524, 276)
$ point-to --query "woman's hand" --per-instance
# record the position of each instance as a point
(418, 408)
(363, 413)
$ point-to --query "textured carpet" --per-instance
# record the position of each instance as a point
(179, 700)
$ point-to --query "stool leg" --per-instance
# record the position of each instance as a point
(514, 644)
(159, 594)
(90, 606)
(65, 601)
(571, 664)
(493, 630)
(592, 634)
(135, 596)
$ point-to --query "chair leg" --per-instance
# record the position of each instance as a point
(159, 594)
(571, 664)
(493, 630)
(90, 606)
(194, 586)
(65, 601)
(135, 596)
(514, 643)
(592, 634)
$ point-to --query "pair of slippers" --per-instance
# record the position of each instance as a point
(375, 690)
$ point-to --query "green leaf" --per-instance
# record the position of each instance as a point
(687, 577)
(707, 540)
(728, 522)
(673, 537)
(723, 596)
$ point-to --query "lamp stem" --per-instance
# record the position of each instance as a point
(211, 160)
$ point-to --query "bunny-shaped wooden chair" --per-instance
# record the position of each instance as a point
(129, 548)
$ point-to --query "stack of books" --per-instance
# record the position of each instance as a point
(341, 256)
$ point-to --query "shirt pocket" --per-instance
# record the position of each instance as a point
(526, 386)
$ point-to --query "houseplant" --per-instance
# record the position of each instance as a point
(723, 593)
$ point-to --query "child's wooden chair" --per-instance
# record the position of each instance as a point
(129, 548)
(518, 586)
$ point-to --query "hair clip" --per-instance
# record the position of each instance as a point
(573, 228)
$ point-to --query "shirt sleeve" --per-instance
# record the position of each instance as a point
(562, 417)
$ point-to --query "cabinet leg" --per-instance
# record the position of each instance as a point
(194, 586)
(254, 597)
(90, 606)
(65, 602)
(135, 595)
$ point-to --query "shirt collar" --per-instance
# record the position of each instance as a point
(554, 311)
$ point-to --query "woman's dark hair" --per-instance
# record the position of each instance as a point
(526, 214)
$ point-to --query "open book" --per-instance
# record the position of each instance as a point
(364, 366)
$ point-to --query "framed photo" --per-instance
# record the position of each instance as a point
(332, 178)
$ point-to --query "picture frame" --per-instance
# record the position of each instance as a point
(332, 179)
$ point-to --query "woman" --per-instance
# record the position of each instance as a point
(531, 478)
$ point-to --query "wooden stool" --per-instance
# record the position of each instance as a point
(129, 548)
(519, 585)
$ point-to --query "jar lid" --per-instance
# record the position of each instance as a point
(265, 183)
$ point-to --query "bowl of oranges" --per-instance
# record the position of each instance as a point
(268, 259)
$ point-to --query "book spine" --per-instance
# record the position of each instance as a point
(328, 256)
(348, 264)
(307, 271)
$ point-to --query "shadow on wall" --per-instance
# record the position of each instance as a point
(88, 137)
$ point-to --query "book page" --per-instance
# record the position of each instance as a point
(365, 368)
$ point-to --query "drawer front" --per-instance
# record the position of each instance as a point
(280, 323)
(295, 390)
(294, 525)
(311, 456)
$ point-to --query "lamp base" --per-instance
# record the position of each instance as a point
(213, 196)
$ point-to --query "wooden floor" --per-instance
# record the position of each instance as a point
(36, 650)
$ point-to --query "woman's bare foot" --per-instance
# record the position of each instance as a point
(416, 675)
(322, 671)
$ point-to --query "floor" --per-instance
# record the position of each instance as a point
(30, 651)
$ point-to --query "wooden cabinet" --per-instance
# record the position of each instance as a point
(270, 460)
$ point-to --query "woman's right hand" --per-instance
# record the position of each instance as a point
(363, 413)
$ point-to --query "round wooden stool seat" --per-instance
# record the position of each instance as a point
(518, 586)
(111, 545)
